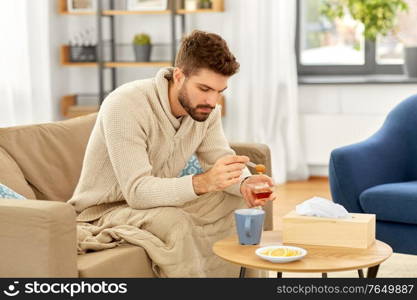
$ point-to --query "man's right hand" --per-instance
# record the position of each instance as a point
(225, 172)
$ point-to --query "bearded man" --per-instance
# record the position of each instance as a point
(130, 190)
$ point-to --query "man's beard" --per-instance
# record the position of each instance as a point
(192, 111)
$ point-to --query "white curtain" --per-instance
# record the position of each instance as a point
(25, 93)
(262, 104)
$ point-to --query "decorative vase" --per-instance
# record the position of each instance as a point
(410, 61)
(143, 52)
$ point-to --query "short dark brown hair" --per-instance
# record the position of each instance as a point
(201, 49)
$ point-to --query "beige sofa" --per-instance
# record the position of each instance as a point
(38, 237)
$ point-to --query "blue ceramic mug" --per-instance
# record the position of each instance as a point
(249, 224)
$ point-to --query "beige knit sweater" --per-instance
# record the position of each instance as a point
(137, 149)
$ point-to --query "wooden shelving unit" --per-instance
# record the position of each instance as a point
(135, 12)
(218, 6)
(63, 10)
(69, 107)
(151, 64)
(197, 11)
(65, 61)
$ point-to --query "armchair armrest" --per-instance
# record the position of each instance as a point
(259, 154)
(37, 239)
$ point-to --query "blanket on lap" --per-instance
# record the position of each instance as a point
(177, 239)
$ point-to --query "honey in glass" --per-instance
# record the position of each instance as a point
(261, 190)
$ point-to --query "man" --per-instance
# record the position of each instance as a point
(146, 131)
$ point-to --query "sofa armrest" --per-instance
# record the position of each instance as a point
(259, 154)
(37, 239)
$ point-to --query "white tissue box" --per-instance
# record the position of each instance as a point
(355, 232)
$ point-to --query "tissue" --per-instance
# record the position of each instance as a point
(321, 207)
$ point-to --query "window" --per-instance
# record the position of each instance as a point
(389, 51)
(338, 48)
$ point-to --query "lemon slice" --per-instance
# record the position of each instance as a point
(265, 252)
(287, 252)
(270, 252)
(278, 252)
(292, 252)
(281, 252)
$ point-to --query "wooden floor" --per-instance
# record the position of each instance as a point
(292, 193)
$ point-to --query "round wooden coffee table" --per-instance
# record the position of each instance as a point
(320, 259)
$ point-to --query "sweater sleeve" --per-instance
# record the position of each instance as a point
(215, 146)
(124, 128)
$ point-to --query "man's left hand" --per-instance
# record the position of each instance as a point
(247, 190)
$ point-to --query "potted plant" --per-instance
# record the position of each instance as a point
(381, 17)
(142, 47)
(205, 4)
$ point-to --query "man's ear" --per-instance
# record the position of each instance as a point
(178, 76)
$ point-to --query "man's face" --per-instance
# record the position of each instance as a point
(199, 93)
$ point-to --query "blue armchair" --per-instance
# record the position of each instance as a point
(379, 176)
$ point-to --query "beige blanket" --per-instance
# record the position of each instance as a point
(177, 239)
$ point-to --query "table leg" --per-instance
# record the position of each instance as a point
(360, 272)
(372, 271)
(279, 274)
(242, 272)
(324, 275)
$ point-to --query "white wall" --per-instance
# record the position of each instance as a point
(60, 76)
(338, 115)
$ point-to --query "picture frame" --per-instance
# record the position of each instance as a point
(82, 5)
(147, 4)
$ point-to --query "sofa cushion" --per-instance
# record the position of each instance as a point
(8, 193)
(12, 176)
(122, 261)
(192, 167)
(49, 155)
(395, 202)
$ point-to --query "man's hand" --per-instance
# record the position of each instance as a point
(247, 190)
(225, 172)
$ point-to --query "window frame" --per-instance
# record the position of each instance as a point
(369, 68)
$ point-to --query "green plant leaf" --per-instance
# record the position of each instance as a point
(378, 16)
(141, 39)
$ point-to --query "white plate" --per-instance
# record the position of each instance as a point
(280, 259)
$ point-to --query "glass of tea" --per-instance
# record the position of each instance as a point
(260, 190)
